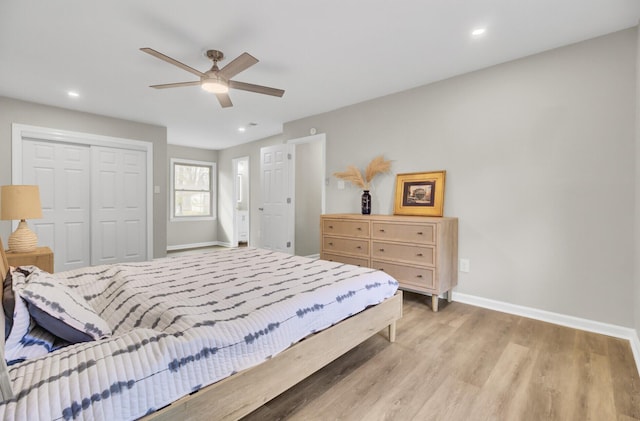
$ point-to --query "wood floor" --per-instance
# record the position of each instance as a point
(468, 363)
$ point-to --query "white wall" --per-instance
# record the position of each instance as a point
(636, 292)
(181, 234)
(540, 161)
(16, 111)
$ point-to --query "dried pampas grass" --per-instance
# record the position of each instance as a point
(352, 175)
(378, 165)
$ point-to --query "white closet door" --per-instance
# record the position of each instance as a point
(118, 204)
(63, 172)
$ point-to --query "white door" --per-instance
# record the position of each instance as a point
(118, 205)
(277, 209)
(63, 172)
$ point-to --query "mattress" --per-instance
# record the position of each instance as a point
(181, 323)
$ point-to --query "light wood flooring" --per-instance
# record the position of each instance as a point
(468, 363)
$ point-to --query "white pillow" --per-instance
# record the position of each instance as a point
(19, 330)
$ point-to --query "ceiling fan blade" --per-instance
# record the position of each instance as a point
(255, 88)
(172, 61)
(224, 100)
(175, 85)
(237, 65)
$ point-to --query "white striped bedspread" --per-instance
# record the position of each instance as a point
(181, 323)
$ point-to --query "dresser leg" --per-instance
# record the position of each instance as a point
(450, 295)
(434, 302)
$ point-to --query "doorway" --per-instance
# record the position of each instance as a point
(241, 196)
(293, 195)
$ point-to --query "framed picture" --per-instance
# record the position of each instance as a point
(420, 193)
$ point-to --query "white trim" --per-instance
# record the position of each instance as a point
(313, 256)
(556, 318)
(213, 188)
(24, 131)
(635, 348)
(194, 245)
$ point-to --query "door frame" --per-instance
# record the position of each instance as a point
(234, 165)
(322, 138)
(22, 131)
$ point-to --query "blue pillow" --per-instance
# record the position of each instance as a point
(58, 309)
(8, 304)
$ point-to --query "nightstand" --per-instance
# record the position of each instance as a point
(41, 257)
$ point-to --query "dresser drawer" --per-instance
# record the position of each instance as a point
(411, 233)
(419, 279)
(346, 245)
(416, 254)
(345, 227)
(345, 259)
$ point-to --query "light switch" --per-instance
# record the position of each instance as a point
(464, 265)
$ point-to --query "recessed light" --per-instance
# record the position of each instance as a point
(478, 32)
(73, 94)
(241, 129)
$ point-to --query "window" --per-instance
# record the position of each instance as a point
(193, 195)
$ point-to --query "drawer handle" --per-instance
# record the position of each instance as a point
(419, 276)
(330, 226)
(419, 254)
(330, 244)
(359, 247)
(359, 229)
(419, 233)
(381, 249)
(381, 230)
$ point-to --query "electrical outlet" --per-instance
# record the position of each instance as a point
(464, 265)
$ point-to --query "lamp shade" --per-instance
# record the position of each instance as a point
(20, 202)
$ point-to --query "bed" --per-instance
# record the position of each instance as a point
(207, 336)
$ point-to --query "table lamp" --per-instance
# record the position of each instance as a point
(21, 202)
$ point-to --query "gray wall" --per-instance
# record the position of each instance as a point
(540, 158)
(309, 179)
(15, 111)
(226, 201)
(186, 233)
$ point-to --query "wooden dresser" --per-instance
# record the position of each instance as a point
(420, 252)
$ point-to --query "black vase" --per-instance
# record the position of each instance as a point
(366, 203)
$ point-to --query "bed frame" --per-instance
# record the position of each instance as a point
(240, 394)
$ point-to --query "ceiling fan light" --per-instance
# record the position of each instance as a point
(215, 86)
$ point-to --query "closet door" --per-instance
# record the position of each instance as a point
(62, 171)
(118, 205)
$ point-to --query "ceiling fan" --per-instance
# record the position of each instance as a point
(215, 80)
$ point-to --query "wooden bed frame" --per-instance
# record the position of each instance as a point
(240, 394)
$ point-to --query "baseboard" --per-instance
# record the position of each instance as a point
(635, 347)
(560, 319)
(313, 256)
(195, 245)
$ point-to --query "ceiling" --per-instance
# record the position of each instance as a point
(325, 54)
